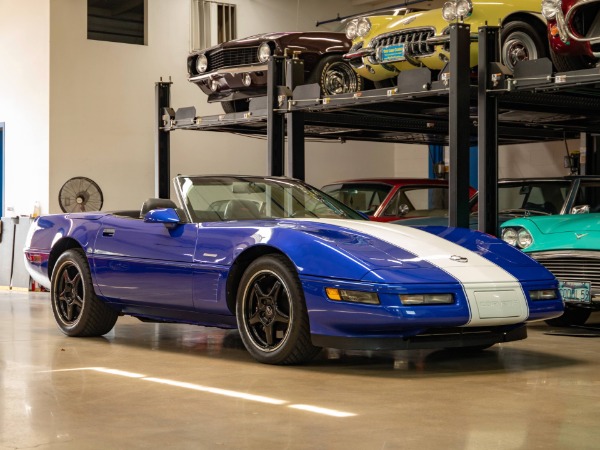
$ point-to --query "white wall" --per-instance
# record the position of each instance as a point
(102, 108)
(534, 160)
(24, 103)
(95, 115)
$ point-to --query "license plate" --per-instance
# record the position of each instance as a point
(392, 53)
(575, 292)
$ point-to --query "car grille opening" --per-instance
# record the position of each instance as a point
(570, 267)
(585, 21)
(232, 57)
(414, 41)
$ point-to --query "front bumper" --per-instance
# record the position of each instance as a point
(561, 29)
(227, 84)
(428, 339)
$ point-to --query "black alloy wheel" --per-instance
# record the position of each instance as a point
(271, 313)
(77, 310)
(335, 76)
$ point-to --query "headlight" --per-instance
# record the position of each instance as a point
(264, 52)
(201, 63)
(363, 27)
(427, 299)
(457, 9)
(550, 8)
(524, 239)
(449, 11)
(517, 237)
(543, 294)
(351, 28)
(510, 235)
(352, 296)
(464, 8)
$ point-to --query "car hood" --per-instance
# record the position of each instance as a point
(568, 223)
(257, 39)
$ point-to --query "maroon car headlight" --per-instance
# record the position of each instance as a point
(550, 8)
(264, 52)
(201, 63)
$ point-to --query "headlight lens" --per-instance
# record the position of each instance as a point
(201, 63)
(370, 298)
(457, 9)
(524, 239)
(449, 11)
(509, 235)
(543, 294)
(550, 8)
(464, 8)
(351, 29)
(264, 52)
(517, 237)
(363, 27)
(427, 299)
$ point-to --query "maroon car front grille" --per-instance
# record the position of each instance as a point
(571, 267)
(232, 57)
(585, 21)
(414, 40)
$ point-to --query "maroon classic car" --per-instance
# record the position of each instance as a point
(574, 32)
(235, 71)
(388, 199)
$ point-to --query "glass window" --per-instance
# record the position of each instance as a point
(544, 198)
(419, 202)
(212, 23)
(589, 194)
(117, 21)
(364, 197)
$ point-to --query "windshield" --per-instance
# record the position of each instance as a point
(364, 197)
(541, 198)
(210, 199)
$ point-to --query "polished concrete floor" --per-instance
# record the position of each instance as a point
(178, 386)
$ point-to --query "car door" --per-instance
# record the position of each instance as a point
(145, 263)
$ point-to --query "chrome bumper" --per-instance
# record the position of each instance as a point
(228, 71)
(564, 31)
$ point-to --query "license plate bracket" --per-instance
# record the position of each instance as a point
(575, 291)
(392, 53)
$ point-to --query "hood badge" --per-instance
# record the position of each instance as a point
(460, 259)
(579, 236)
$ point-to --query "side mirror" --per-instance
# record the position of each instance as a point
(580, 209)
(168, 216)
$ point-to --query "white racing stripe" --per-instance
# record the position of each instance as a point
(495, 297)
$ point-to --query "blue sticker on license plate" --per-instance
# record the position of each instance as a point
(575, 291)
(392, 53)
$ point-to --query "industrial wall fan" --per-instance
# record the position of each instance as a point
(80, 194)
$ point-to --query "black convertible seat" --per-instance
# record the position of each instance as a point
(241, 210)
(156, 203)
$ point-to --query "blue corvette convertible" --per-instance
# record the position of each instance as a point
(292, 268)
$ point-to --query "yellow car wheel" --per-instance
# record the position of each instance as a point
(521, 42)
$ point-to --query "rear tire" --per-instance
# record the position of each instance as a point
(571, 316)
(77, 310)
(233, 106)
(521, 42)
(335, 76)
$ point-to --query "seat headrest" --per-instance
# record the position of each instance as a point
(156, 203)
(241, 210)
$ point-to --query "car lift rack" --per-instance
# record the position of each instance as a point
(487, 107)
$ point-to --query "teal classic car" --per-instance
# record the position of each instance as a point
(569, 246)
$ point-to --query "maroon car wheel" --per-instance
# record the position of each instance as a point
(335, 76)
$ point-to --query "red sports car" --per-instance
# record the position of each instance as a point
(574, 32)
(388, 199)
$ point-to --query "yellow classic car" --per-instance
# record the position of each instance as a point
(382, 46)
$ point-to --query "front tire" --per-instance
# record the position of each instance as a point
(335, 76)
(567, 63)
(521, 42)
(77, 310)
(271, 313)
